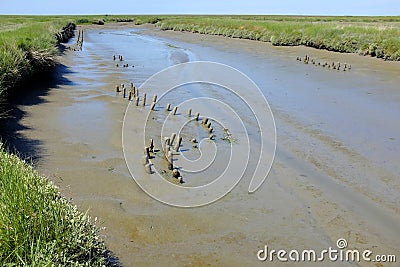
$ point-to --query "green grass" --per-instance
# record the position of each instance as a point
(374, 36)
(27, 46)
(38, 227)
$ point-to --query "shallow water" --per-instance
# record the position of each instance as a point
(335, 174)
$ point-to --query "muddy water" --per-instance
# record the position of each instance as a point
(335, 175)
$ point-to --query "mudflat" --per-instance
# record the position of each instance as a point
(335, 173)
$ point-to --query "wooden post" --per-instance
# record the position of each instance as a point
(137, 101)
(178, 144)
(172, 138)
(144, 99)
(147, 151)
(116, 90)
(130, 96)
(153, 105)
(170, 159)
(189, 112)
(204, 121)
(124, 92)
(208, 125)
(168, 108)
(197, 116)
(176, 174)
(167, 141)
(174, 110)
(210, 130)
(155, 98)
(151, 145)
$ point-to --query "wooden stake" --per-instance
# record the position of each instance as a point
(170, 159)
(151, 145)
(174, 110)
(167, 141)
(172, 138)
(178, 144)
(147, 151)
(144, 99)
(153, 105)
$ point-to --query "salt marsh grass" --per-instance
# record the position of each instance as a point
(374, 36)
(38, 227)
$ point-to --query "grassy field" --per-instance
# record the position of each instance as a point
(27, 46)
(38, 227)
(374, 36)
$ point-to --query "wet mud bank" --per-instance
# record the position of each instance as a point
(334, 176)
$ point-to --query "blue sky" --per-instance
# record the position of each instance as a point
(284, 7)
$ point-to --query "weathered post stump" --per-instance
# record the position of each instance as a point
(178, 144)
(147, 151)
(170, 160)
(151, 145)
(172, 138)
(153, 105)
(144, 99)
(174, 110)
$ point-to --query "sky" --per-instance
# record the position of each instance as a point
(262, 7)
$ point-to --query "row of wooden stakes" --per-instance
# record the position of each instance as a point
(170, 146)
(333, 65)
(79, 40)
(133, 94)
(168, 155)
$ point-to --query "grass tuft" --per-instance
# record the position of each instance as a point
(38, 227)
